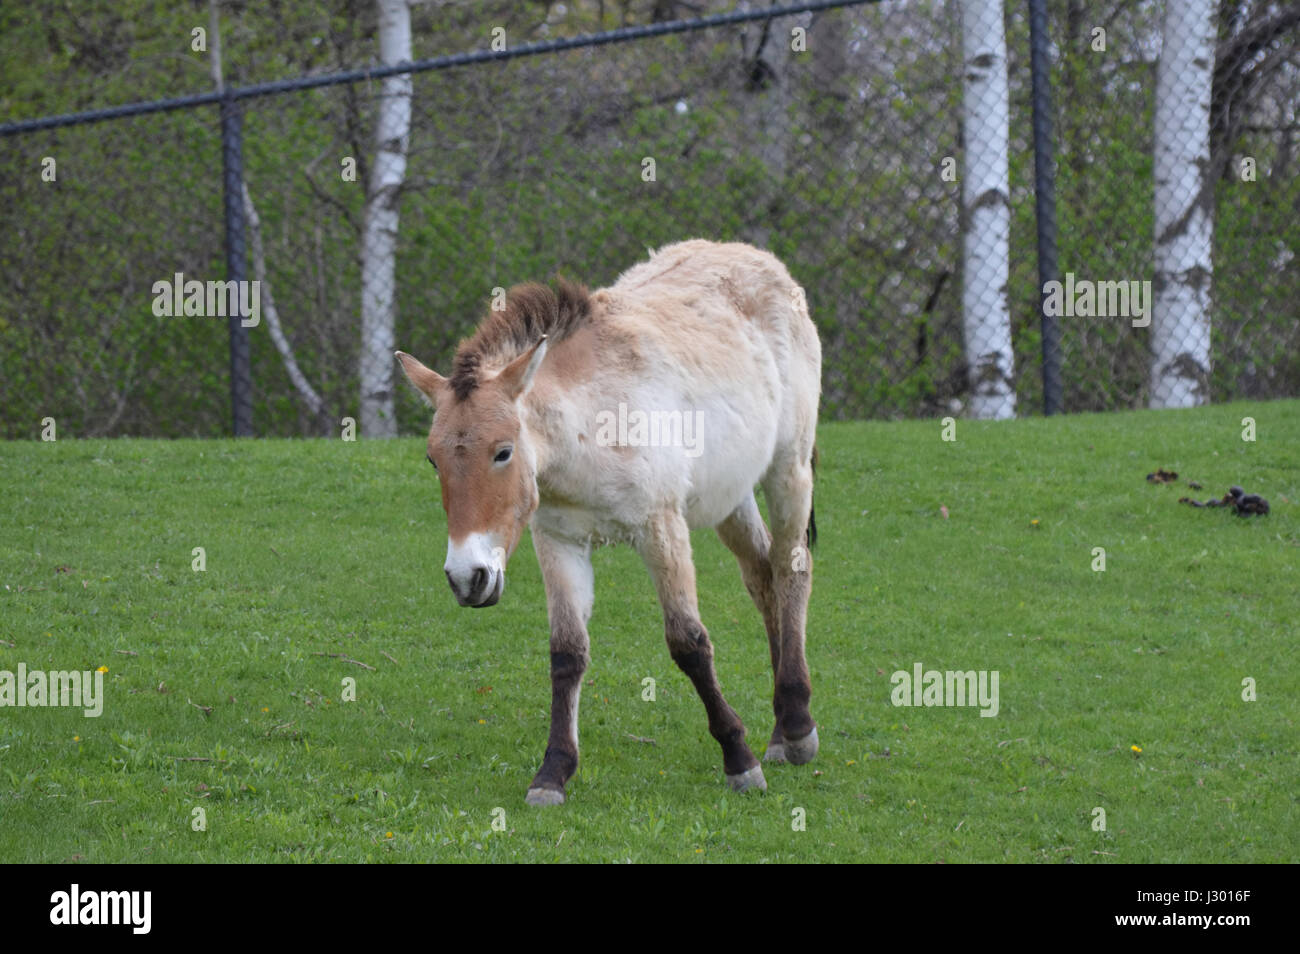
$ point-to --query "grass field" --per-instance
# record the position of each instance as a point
(326, 547)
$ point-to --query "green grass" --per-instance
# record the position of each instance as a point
(330, 547)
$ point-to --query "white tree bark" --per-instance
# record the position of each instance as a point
(986, 313)
(379, 230)
(1180, 314)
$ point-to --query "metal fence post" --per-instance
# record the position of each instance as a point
(1045, 200)
(232, 163)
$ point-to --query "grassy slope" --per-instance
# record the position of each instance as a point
(331, 547)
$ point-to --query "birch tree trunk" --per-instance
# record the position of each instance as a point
(986, 313)
(379, 230)
(1180, 314)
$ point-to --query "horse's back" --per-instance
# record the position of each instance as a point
(744, 274)
(723, 330)
(689, 291)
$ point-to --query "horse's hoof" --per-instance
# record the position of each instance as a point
(544, 796)
(753, 778)
(775, 753)
(799, 751)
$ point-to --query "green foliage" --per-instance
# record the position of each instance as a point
(522, 170)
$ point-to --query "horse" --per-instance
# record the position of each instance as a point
(634, 414)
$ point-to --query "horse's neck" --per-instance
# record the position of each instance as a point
(544, 418)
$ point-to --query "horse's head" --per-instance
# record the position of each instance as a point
(486, 469)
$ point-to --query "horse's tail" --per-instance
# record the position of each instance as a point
(812, 509)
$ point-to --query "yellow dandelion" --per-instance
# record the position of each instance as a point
(388, 835)
(1136, 750)
(265, 709)
(482, 721)
(76, 738)
(699, 851)
(851, 762)
(102, 669)
(1033, 523)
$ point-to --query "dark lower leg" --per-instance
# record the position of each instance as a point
(569, 658)
(691, 649)
(561, 759)
(793, 686)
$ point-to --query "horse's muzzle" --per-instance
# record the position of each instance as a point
(483, 588)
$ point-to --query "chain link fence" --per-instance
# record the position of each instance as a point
(840, 139)
(1131, 207)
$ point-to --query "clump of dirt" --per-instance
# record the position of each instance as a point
(1243, 504)
(1162, 476)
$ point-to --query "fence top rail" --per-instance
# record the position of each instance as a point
(234, 93)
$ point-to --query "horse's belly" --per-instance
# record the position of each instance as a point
(735, 455)
(711, 509)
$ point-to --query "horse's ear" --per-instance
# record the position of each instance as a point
(427, 381)
(517, 376)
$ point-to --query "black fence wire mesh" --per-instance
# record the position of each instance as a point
(859, 144)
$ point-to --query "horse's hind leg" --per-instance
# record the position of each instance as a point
(666, 549)
(788, 488)
(745, 535)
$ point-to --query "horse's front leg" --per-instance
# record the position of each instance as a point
(566, 571)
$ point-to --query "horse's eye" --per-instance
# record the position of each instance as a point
(503, 455)
(429, 458)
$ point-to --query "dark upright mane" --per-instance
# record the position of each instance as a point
(531, 310)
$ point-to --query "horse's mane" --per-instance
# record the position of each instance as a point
(531, 310)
